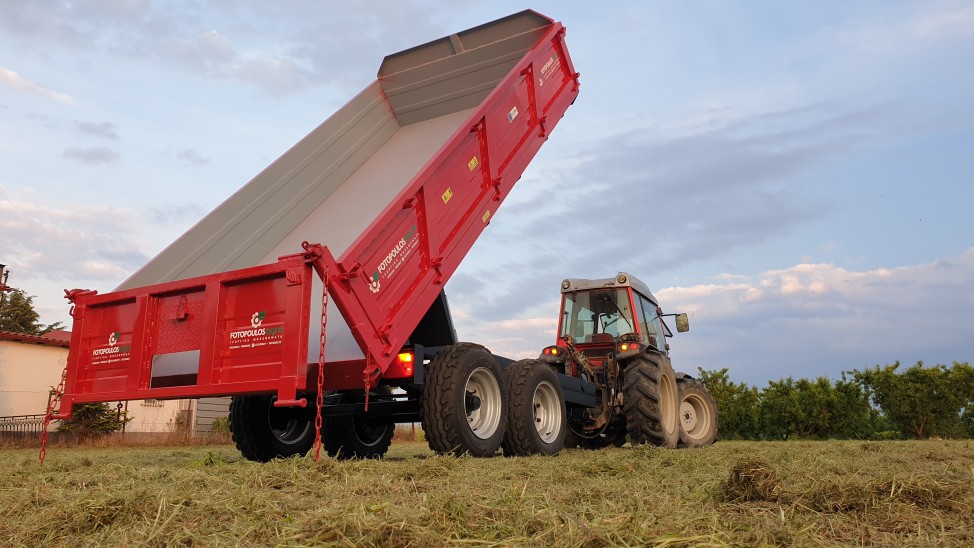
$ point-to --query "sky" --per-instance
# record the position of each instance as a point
(797, 177)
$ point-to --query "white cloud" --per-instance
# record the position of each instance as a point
(105, 130)
(935, 24)
(192, 156)
(92, 155)
(80, 242)
(16, 82)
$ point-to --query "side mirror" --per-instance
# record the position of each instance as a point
(682, 323)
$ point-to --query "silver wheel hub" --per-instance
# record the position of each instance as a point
(547, 412)
(482, 403)
(688, 415)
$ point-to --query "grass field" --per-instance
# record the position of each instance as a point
(737, 493)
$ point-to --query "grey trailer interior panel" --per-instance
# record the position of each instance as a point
(330, 186)
(242, 230)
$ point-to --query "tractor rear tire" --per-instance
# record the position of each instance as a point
(535, 410)
(263, 432)
(698, 414)
(651, 401)
(462, 408)
(357, 437)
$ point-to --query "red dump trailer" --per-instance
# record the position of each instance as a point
(392, 190)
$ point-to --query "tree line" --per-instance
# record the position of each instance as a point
(882, 402)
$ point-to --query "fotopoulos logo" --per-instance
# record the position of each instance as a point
(374, 284)
(113, 347)
(256, 319)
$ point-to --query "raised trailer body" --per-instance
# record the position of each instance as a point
(396, 187)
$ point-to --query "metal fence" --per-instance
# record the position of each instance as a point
(22, 413)
(21, 427)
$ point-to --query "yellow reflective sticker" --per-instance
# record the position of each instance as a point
(447, 195)
(486, 216)
(473, 163)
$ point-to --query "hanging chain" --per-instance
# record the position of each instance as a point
(320, 399)
(54, 401)
(368, 377)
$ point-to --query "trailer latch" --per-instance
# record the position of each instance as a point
(182, 310)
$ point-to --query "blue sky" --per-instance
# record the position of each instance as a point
(798, 178)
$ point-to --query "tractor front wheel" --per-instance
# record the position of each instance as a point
(535, 410)
(263, 432)
(698, 414)
(651, 401)
(463, 407)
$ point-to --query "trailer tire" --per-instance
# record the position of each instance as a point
(535, 410)
(357, 437)
(699, 419)
(263, 432)
(651, 401)
(462, 408)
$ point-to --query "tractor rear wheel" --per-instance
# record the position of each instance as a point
(263, 432)
(651, 401)
(535, 410)
(462, 408)
(698, 414)
(357, 437)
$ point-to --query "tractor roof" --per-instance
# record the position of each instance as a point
(622, 279)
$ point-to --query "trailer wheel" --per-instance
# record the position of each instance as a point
(651, 403)
(698, 414)
(463, 409)
(357, 437)
(263, 432)
(535, 410)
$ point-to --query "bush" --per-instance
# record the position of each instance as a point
(90, 420)
(221, 426)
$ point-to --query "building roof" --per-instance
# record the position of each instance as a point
(59, 338)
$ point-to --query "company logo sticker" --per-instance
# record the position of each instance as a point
(473, 163)
(256, 334)
(394, 259)
(112, 352)
(512, 115)
(447, 195)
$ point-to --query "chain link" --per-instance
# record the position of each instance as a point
(320, 399)
(54, 402)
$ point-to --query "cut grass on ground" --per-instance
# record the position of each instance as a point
(739, 493)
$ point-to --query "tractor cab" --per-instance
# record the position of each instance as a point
(618, 315)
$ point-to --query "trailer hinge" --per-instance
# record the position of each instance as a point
(496, 183)
(370, 377)
(436, 264)
(347, 275)
(410, 203)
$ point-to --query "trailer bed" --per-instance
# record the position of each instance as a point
(396, 187)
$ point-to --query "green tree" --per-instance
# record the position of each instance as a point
(816, 408)
(737, 404)
(921, 400)
(854, 416)
(17, 314)
(90, 420)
